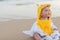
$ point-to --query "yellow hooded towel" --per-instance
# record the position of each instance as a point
(44, 25)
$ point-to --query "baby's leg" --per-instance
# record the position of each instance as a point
(36, 36)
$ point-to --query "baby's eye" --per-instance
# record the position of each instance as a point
(46, 10)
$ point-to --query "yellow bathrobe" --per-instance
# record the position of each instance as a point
(44, 25)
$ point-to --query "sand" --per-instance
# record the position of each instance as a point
(12, 30)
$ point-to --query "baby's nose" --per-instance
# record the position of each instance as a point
(46, 14)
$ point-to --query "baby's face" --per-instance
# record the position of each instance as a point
(46, 12)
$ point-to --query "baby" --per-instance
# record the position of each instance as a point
(43, 28)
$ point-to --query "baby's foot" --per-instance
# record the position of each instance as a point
(36, 36)
(27, 33)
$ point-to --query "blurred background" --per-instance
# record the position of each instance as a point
(25, 9)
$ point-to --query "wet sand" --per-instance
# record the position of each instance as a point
(12, 30)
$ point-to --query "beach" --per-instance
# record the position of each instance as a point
(16, 16)
(12, 29)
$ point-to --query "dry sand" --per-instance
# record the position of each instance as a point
(12, 30)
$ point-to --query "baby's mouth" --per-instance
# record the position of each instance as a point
(48, 17)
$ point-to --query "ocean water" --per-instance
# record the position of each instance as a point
(10, 10)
